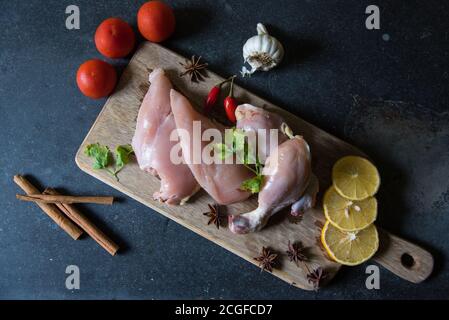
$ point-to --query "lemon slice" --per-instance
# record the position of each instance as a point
(355, 178)
(349, 215)
(350, 248)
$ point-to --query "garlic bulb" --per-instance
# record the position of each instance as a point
(261, 52)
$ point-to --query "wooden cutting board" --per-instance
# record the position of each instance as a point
(116, 124)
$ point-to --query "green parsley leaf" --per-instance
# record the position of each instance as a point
(246, 155)
(101, 154)
(103, 157)
(122, 154)
(229, 137)
(239, 140)
(253, 185)
(223, 151)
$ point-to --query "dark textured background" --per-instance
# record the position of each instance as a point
(389, 98)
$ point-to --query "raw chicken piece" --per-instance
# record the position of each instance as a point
(221, 181)
(251, 118)
(288, 180)
(152, 145)
(308, 199)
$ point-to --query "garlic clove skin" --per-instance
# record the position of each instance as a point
(262, 52)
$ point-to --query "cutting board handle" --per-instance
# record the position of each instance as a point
(403, 258)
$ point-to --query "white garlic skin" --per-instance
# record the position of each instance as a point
(262, 52)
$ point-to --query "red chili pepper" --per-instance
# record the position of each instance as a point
(212, 98)
(230, 104)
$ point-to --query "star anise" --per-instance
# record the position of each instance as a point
(194, 69)
(266, 260)
(316, 277)
(214, 215)
(296, 252)
(296, 218)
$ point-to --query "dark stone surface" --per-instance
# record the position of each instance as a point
(389, 98)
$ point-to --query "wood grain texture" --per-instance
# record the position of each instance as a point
(403, 258)
(116, 124)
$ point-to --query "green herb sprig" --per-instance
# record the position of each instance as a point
(239, 144)
(103, 158)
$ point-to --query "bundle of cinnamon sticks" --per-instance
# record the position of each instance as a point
(61, 210)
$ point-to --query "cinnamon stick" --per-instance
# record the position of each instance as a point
(50, 209)
(85, 224)
(50, 198)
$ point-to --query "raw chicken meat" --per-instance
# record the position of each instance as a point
(222, 181)
(288, 181)
(255, 119)
(152, 145)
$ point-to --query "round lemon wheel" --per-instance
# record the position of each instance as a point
(350, 248)
(355, 178)
(349, 215)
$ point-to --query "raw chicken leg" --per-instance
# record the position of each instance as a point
(152, 145)
(221, 181)
(251, 118)
(288, 180)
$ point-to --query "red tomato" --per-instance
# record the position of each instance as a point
(114, 38)
(156, 21)
(96, 79)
